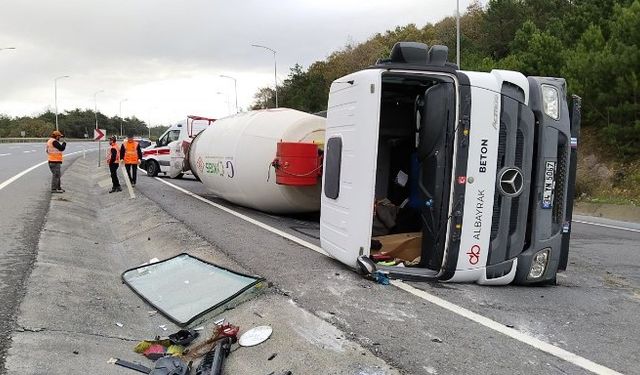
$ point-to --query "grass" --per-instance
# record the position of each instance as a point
(602, 178)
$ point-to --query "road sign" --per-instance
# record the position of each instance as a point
(99, 134)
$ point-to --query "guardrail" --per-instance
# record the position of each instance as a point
(40, 140)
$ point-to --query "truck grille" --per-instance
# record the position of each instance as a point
(497, 199)
(560, 178)
(515, 149)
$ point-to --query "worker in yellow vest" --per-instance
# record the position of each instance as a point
(113, 161)
(131, 154)
(54, 156)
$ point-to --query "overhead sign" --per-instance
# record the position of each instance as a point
(99, 134)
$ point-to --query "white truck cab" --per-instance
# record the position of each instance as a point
(483, 164)
(156, 158)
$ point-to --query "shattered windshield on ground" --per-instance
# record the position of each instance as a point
(185, 288)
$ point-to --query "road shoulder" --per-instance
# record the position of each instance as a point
(77, 314)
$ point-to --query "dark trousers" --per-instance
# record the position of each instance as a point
(55, 175)
(132, 172)
(113, 168)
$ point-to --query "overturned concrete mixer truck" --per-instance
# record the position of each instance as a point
(477, 168)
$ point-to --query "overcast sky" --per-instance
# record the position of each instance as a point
(165, 56)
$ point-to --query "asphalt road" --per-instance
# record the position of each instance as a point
(23, 204)
(592, 312)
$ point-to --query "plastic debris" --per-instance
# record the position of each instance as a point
(119, 324)
(183, 337)
(255, 336)
(380, 277)
(155, 351)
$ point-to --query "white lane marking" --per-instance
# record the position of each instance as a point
(28, 151)
(248, 219)
(489, 323)
(5, 154)
(607, 226)
(12, 179)
(513, 333)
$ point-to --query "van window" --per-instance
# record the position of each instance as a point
(174, 135)
(163, 140)
(332, 168)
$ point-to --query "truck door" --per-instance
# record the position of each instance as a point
(348, 189)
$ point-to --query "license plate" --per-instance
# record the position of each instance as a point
(549, 184)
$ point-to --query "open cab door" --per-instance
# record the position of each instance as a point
(348, 184)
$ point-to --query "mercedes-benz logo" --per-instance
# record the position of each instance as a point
(511, 182)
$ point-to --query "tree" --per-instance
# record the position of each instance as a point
(501, 21)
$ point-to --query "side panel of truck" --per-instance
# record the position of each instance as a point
(349, 166)
(481, 171)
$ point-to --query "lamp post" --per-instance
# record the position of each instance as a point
(458, 33)
(55, 95)
(275, 68)
(122, 101)
(235, 88)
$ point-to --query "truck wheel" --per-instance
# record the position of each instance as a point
(152, 168)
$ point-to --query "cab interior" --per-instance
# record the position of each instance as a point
(415, 130)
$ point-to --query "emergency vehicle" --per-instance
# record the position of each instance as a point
(156, 158)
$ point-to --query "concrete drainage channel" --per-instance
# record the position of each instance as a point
(77, 314)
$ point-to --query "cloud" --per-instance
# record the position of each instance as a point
(165, 55)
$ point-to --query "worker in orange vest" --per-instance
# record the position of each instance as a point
(131, 154)
(113, 161)
(54, 156)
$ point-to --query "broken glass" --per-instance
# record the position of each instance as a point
(185, 288)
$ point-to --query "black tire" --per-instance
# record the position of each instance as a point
(152, 168)
(179, 176)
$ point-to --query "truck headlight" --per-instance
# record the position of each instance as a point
(539, 264)
(550, 101)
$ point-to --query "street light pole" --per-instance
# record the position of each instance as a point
(275, 68)
(235, 88)
(458, 33)
(123, 100)
(55, 95)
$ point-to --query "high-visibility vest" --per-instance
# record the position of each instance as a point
(53, 154)
(113, 146)
(130, 152)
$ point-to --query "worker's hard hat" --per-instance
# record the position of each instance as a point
(56, 133)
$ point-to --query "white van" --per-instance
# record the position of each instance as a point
(156, 158)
